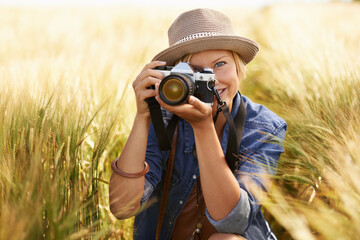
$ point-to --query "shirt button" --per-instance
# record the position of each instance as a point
(181, 202)
(194, 177)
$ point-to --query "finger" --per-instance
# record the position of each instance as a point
(154, 64)
(149, 73)
(180, 110)
(197, 104)
(146, 94)
(146, 83)
(142, 89)
(157, 94)
(148, 70)
(157, 88)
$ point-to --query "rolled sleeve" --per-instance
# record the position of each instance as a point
(238, 219)
(148, 190)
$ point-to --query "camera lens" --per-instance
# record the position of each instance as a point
(175, 89)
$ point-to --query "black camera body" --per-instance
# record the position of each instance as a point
(181, 81)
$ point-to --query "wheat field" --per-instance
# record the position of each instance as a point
(66, 109)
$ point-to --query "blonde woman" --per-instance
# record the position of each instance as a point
(206, 198)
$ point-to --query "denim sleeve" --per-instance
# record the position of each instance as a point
(155, 158)
(259, 164)
(259, 161)
(237, 220)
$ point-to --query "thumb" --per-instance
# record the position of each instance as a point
(197, 104)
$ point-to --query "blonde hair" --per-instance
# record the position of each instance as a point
(240, 66)
(239, 63)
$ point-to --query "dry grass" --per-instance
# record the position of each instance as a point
(66, 107)
(308, 72)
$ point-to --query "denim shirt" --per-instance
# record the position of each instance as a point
(260, 148)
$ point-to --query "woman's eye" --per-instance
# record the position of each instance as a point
(219, 64)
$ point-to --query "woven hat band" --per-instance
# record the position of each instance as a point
(198, 35)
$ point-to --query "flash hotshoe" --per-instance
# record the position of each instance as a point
(181, 81)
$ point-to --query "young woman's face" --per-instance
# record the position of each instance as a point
(223, 64)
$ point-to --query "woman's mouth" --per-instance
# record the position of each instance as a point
(221, 91)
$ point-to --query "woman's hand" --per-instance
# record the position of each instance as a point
(147, 77)
(195, 112)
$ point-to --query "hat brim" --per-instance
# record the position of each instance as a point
(246, 48)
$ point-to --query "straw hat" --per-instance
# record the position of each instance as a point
(204, 29)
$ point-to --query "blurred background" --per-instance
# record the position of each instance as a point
(67, 106)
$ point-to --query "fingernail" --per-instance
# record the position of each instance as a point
(191, 100)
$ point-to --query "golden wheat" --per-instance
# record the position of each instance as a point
(66, 107)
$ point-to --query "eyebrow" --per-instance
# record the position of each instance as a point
(219, 59)
(213, 62)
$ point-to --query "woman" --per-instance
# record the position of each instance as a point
(206, 199)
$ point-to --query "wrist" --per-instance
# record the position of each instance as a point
(143, 117)
(203, 126)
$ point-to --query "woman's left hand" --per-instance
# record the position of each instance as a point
(195, 112)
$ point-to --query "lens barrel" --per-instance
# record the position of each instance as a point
(175, 89)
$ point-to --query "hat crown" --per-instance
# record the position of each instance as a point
(203, 22)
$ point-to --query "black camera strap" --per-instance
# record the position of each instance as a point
(164, 135)
(236, 127)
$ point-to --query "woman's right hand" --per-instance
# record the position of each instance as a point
(147, 77)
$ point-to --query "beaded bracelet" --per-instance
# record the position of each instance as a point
(129, 175)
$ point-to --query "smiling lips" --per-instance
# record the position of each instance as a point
(221, 91)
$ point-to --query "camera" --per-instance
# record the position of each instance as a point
(181, 81)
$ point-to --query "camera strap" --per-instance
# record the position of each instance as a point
(164, 135)
(236, 128)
